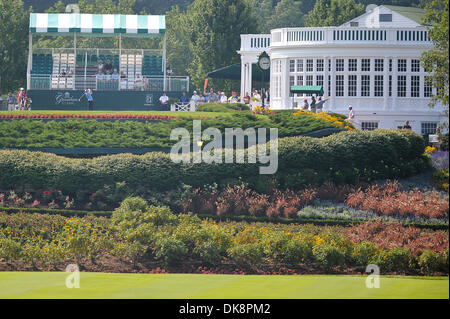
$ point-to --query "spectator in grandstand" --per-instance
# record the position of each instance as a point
(100, 66)
(62, 74)
(123, 76)
(10, 102)
(211, 97)
(195, 97)
(146, 81)
(100, 77)
(184, 99)
(115, 79)
(164, 99)
(66, 73)
(108, 66)
(233, 98)
(139, 84)
(246, 98)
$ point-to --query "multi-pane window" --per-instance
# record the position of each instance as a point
(309, 65)
(365, 85)
(415, 65)
(352, 85)
(291, 65)
(339, 65)
(415, 86)
(319, 80)
(329, 65)
(319, 65)
(299, 79)
(401, 86)
(365, 65)
(379, 85)
(390, 85)
(353, 65)
(390, 65)
(329, 85)
(339, 85)
(428, 127)
(369, 126)
(379, 65)
(401, 65)
(300, 65)
(309, 80)
(428, 88)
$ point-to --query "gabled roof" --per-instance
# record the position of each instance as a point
(414, 14)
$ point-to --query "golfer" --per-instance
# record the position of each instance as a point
(90, 99)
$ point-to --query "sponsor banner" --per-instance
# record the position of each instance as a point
(103, 100)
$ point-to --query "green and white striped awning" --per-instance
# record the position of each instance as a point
(97, 24)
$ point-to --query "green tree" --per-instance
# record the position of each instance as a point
(179, 54)
(213, 30)
(13, 43)
(333, 12)
(436, 59)
(287, 13)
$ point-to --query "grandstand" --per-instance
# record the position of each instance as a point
(56, 77)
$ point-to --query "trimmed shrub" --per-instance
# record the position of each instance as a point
(247, 254)
(222, 107)
(329, 256)
(431, 261)
(344, 157)
(396, 259)
(169, 250)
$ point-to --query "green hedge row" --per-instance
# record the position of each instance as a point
(345, 157)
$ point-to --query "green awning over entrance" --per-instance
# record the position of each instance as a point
(307, 89)
(233, 72)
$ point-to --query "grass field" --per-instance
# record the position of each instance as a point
(193, 286)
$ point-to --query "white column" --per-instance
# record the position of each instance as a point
(332, 84)
(30, 59)
(164, 62)
(385, 83)
(372, 78)
(286, 99)
(394, 82)
(346, 73)
(249, 77)
(243, 77)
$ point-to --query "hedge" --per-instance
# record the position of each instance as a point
(345, 157)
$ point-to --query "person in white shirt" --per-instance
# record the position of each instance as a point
(100, 66)
(164, 99)
(223, 98)
(195, 97)
(100, 79)
(139, 83)
(351, 115)
(257, 96)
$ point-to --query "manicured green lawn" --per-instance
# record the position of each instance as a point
(193, 286)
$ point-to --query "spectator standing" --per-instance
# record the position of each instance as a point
(1, 101)
(201, 99)
(406, 126)
(211, 97)
(351, 115)
(223, 98)
(115, 79)
(219, 97)
(108, 67)
(195, 97)
(246, 98)
(233, 98)
(100, 77)
(305, 105)
(184, 99)
(100, 66)
(267, 94)
(256, 95)
(312, 105)
(164, 99)
(21, 98)
(320, 103)
(10, 102)
(139, 83)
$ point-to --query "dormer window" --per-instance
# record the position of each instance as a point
(385, 17)
(354, 24)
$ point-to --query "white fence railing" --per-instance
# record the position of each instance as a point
(107, 83)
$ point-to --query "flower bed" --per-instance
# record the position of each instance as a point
(160, 239)
(89, 116)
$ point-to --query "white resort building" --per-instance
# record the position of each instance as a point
(371, 63)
